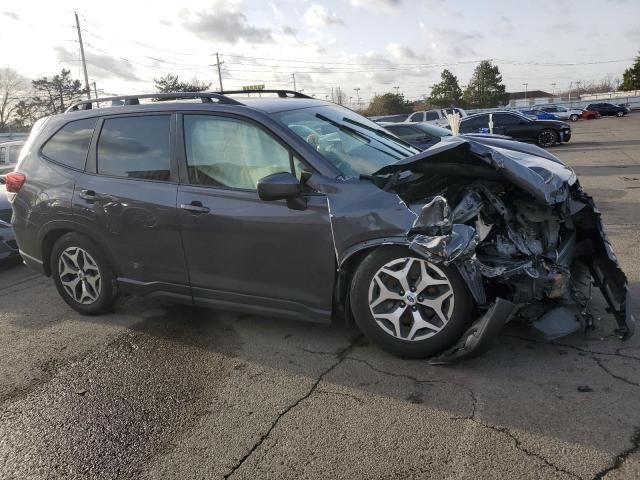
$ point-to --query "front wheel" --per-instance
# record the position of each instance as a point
(573, 118)
(619, 113)
(547, 138)
(408, 306)
(82, 274)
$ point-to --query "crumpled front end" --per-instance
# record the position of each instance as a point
(528, 250)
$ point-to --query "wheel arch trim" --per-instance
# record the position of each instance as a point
(46, 240)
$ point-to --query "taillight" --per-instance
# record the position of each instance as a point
(14, 181)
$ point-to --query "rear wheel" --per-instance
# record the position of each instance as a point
(83, 276)
(547, 138)
(407, 305)
(573, 117)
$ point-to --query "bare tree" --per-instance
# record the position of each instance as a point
(12, 87)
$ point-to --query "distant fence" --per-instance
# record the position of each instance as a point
(12, 136)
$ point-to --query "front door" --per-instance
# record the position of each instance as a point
(239, 248)
(127, 199)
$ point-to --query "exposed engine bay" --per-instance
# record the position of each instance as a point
(529, 243)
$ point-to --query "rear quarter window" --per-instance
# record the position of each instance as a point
(70, 145)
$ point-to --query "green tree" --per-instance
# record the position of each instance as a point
(171, 83)
(388, 104)
(50, 96)
(485, 89)
(631, 77)
(447, 93)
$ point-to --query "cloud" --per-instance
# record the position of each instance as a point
(316, 16)
(449, 42)
(100, 65)
(378, 5)
(287, 30)
(504, 26)
(634, 36)
(227, 27)
(402, 52)
(11, 15)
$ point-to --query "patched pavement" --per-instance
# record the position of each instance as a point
(163, 391)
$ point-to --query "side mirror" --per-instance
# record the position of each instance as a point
(282, 186)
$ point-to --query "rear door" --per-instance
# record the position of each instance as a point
(127, 198)
(239, 248)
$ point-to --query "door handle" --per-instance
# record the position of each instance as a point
(88, 195)
(194, 207)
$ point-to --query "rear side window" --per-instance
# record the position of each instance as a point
(135, 147)
(70, 145)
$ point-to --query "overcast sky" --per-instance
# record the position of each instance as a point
(373, 45)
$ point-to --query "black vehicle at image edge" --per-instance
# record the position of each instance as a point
(300, 208)
(544, 133)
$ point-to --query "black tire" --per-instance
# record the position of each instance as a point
(547, 138)
(573, 117)
(108, 291)
(619, 113)
(458, 321)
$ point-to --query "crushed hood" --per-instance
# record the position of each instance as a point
(529, 167)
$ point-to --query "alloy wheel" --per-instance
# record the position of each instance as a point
(79, 275)
(411, 299)
(546, 138)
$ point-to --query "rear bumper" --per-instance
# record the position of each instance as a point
(33, 263)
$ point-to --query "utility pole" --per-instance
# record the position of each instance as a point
(526, 85)
(95, 92)
(218, 64)
(357, 89)
(293, 75)
(553, 92)
(397, 89)
(84, 63)
(570, 86)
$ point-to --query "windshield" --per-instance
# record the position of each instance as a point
(354, 145)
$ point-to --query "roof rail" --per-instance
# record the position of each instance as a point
(281, 93)
(206, 97)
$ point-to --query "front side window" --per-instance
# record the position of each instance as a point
(225, 152)
(3, 154)
(416, 117)
(352, 144)
(503, 119)
(432, 116)
(70, 145)
(135, 147)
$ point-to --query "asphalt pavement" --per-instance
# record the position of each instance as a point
(159, 391)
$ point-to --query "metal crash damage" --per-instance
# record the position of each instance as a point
(527, 240)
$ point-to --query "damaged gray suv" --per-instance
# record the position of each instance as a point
(294, 207)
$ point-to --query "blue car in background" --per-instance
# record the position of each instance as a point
(539, 114)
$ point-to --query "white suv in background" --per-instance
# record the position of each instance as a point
(437, 117)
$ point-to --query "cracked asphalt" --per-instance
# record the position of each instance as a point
(159, 391)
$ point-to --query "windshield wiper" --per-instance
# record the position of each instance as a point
(380, 132)
(344, 128)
